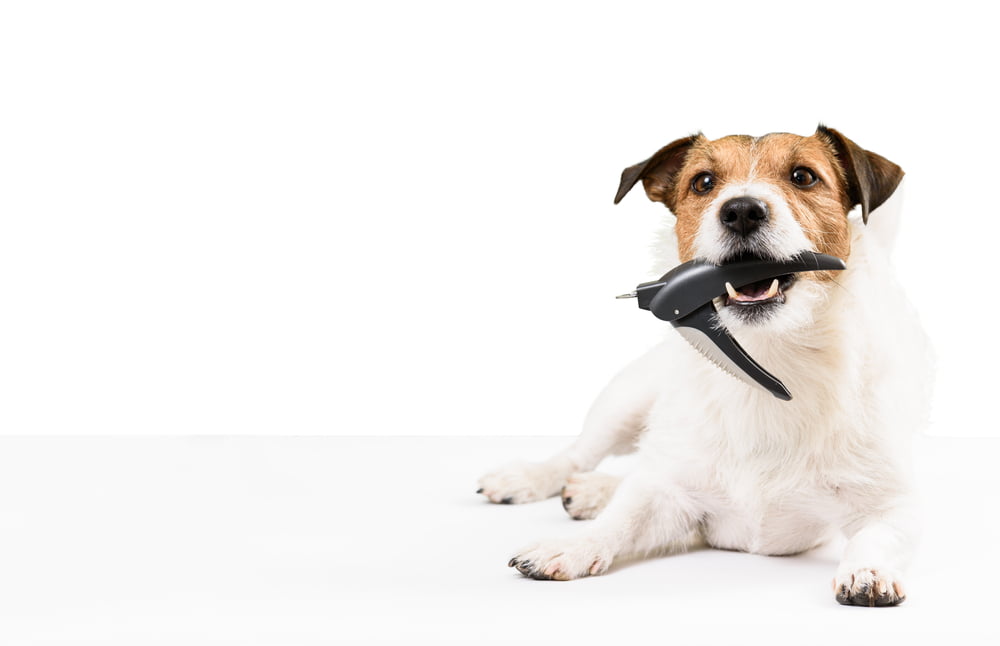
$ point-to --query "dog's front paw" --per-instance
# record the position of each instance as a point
(563, 560)
(586, 494)
(867, 587)
(524, 482)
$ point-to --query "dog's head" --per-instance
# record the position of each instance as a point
(771, 197)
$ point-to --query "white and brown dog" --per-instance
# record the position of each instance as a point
(728, 464)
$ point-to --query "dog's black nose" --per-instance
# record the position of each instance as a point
(743, 215)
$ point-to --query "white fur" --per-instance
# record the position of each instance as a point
(731, 464)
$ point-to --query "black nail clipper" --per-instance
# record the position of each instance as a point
(685, 294)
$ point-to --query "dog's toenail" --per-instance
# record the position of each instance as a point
(507, 500)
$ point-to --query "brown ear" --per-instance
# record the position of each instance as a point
(871, 178)
(658, 172)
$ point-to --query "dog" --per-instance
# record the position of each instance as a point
(725, 464)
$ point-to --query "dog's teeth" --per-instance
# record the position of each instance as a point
(773, 290)
(731, 290)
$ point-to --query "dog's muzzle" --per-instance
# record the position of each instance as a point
(743, 215)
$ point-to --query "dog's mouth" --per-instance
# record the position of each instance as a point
(762, 292)
(758, 296)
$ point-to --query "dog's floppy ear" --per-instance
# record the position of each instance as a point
(871, 178)
(658, 172)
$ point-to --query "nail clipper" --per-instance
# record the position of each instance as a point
(684, 296)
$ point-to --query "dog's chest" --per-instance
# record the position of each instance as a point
(768, 472)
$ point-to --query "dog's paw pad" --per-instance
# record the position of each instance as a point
(587, 494)
(562, 560)
(868, 587)
(521, 482)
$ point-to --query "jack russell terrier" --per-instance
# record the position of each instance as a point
(723, 463)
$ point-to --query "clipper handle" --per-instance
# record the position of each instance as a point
(702, 330)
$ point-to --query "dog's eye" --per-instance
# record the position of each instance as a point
(804, 177)
(703, 183)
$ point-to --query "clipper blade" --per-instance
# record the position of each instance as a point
(700, 342)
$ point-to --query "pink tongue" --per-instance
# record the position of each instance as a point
(754, 291)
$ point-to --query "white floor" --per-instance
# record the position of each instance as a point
(291, 541)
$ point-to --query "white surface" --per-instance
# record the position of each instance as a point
(275, 217)
(290, 541)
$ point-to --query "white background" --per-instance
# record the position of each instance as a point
(396, 218)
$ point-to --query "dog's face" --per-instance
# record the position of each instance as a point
(744, 197)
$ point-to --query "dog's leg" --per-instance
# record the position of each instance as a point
(586, 494)
(879, 547)
(611, 427)
(646, 514)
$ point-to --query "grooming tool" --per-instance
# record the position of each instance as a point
(684, 296)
